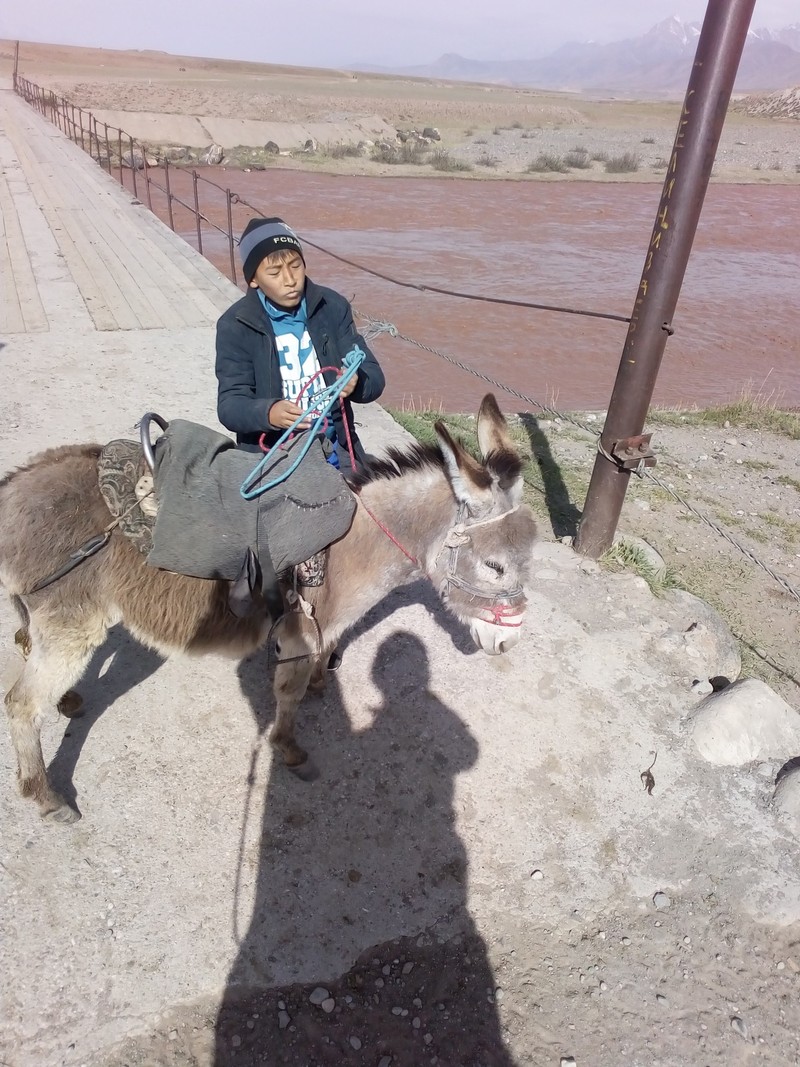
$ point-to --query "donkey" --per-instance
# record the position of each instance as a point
(429, 510)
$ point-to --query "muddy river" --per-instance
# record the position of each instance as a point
(573, 244)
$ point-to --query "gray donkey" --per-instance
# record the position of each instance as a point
(432, 511)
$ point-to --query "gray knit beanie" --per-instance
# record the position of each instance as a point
(260, 238)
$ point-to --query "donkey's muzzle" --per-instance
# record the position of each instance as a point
(492, 639)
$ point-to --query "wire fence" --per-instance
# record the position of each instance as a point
(134, 165)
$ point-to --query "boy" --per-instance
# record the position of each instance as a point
(272, 342)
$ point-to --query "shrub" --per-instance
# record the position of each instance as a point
(547, 162)
(578, 159)
(648, 140)
(481, 140)
(410, 152)
(486, 160)
(661, 163)
(497, 131)
(342, 150)
(624, 164)
(600, 157)
(516, 125)
(442, 160)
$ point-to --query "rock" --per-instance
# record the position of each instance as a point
(740, 1026)
(283, 1020)
(786, 798)
(212, 155)
(705, 632)
(328, 1005)
(702, 687)
(661, 901)
(318, 995)
(310, 145)
(567, 1061)
(133, 159)
(271, 148)
(745, 722)
(431, 133)
(355, 1042)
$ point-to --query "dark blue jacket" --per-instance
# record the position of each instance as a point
(248, 371)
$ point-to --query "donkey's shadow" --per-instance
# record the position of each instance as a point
(103, 683)
(132, 663)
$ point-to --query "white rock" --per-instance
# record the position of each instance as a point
(661, 901)
(747, 721)
(702, 687)
(318, 995)
(786, 797)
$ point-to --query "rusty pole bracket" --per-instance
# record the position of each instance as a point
(633, 453)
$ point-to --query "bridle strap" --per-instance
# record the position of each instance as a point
(457, 536)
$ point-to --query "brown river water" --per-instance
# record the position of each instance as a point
(573, 244)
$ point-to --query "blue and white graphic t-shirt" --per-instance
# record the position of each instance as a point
(298, 360)
(296, 354)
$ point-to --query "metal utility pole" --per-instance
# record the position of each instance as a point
(622, 447)
(16, 65)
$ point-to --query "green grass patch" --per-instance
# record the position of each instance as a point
(787, 479)
(550, 488)
(752, 411)
(625, 556)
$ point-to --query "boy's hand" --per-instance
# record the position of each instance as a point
(348, 389)
(283, 414)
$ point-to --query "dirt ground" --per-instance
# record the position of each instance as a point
(496, 130)
(687, 983)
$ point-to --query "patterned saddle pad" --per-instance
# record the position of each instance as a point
(124, 478)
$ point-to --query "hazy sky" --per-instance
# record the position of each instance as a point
(342, 32)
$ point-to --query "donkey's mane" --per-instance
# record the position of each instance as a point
(504, 464)
(398, 462)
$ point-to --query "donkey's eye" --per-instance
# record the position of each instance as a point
(492, 564)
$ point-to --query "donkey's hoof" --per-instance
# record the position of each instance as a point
(293, 755)
(63, 814)
(71, 704)
(306, 772)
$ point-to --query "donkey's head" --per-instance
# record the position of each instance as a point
(484, 562)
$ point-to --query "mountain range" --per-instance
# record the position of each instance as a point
(657, 63)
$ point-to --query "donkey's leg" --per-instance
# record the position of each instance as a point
(71, 702)
(292, 675)
(22, 638)
(60, 650)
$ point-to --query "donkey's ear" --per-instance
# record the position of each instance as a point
(493, 435)
(468, 478)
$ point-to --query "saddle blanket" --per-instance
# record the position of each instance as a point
(204, 526)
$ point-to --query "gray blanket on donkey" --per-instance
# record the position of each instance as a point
(204, 524)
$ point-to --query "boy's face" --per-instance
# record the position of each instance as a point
(282, 281)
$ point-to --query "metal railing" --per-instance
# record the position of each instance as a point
(120, 154)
